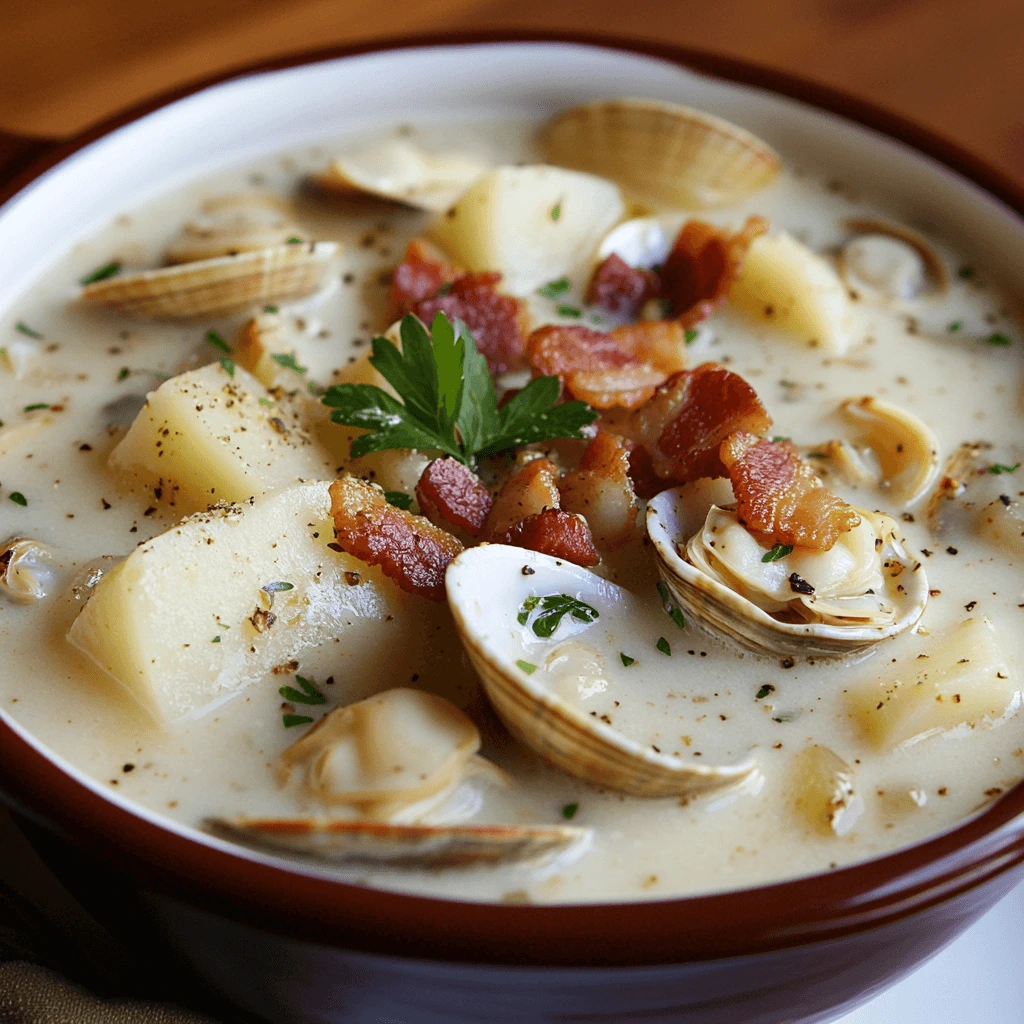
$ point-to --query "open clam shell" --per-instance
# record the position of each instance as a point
(28, 570)
(840, 627)
(486, 586)
(663, 153)
(408, 846)
(890, 260)
(213, 287)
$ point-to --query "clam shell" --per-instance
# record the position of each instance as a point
(663, 153)
(491, 577)
(934, 266)
(213, 287)
(409, 846)
(672, 520)
(28, 571)
(231, 224)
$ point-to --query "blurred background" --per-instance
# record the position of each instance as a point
(957, 66)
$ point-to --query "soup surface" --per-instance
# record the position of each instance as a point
(844, 758)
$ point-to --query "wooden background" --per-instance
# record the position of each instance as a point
(955, 65)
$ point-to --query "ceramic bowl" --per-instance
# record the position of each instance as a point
(290, 943)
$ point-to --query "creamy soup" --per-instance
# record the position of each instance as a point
(822, 727)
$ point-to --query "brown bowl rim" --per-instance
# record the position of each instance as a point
(736, 923)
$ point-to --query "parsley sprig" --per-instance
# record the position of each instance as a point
(448, 399)
(553, 609)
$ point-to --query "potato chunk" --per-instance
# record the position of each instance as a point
(198, 613)
(958, 682)
(824, 791)
(204, 437)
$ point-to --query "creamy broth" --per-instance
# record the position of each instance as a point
(703, 700)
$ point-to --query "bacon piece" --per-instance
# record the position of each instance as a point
(619, 288)
(449, 490)
(409, 549)
(531, 489)
(600, 489)
(499, 323)
(662, 343)
(421, 274)
(780, 496)
(646, 482)
(557, 533)
(702, 266)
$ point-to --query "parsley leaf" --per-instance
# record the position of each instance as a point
(399, 499)
(214, 339)
(18, 498)
(691, 336)
(527, 666)
(998, 467)
(553, 609)
(569, 811)
(777, 552)
(290, 721)
(998, 339)
(101, 273)
(565, 309)
(287, 360)
(664, 646)
(309, 694)
(554, 288)
(626, 659)
(448, 402)
(23, 328)
(228, 366)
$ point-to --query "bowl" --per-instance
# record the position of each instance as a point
(288, 942)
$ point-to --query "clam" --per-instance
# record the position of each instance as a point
(541, 675)
(224, 284)
(640, 242)
(834, 603)
(27, 570)
(905, 446)
(403, 173)
(408, 846)
(890, 261)
(227, 225)
(663, 153)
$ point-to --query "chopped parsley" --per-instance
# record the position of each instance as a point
(998, 339)
(274, 588)
(214, 339)
(564, 309)
(553, 609)
(777, 552)
(779, 438)
(626, 659)
(554, 288)
(24, 328)
(764, 691)
(36, 405)
(270, 309)
(569, 811)
(294, 240)
(308, 694)
(267, 402)
(445, 289)
(101, 273)
(674, 613)
(664, 646)
(18, 498)
(287, 360)
(691, 335)
(216, 639)
(528, 667)
(998, 467)
(290, 721)
(448, 399)
(228, 366)
(955, 326)
(556, 211)
(399, 499)
(123, 373)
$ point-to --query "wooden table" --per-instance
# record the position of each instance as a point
(954, 65)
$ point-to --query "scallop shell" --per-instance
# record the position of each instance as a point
(217, 286)
(665, 154)
(905, 284)
(403, 173)
(672, 520)
(484, 579)
(408, 846)
(27, 570)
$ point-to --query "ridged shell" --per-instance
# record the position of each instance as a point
(663, 153)
(672, 520)
(213, 287)
(478, 581)
(409, 846)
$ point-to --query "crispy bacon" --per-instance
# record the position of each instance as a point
(646, 482)
(531, 489)
(780, 496)
(409, 549)
(619, 288)
(702, 266)
(557, 533)
(600, 489)
(449, 490)
(499, 323)
(421, 274)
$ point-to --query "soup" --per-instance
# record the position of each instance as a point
(682, 556)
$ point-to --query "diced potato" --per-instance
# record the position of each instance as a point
(205, 437)
(191, 616)
(959, 682)
(533, 224)
(1002, 522)
(824, 793)
(786, 285)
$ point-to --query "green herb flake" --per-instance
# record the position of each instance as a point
(955, 326)
(267, 402)
(308, 694)
(524, 613)
(566, 310)
(998, 339)
(270, 309)
(287, 360)
(445, 289)
(787, 384)
(555, 288)
(290, 721)
(215, 640)
(214, 339)
(764, 691)
(775, 440)
(553, 609)
(787, 717)
(998, 467)
(667, 308)
(691, 335)
(275, 588)
(596, 318)
(399, 499)
(626, 659)
(676, 615)
(123, 374)
(36, 405)
(556, 211)
(24, 328)
(18, 498)
(569, 811)
(294, 240)
(664, 646)
(528, 667)
(1, 423)
(777, 552)
(101, 273)
(228, 366)
(966, 273)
